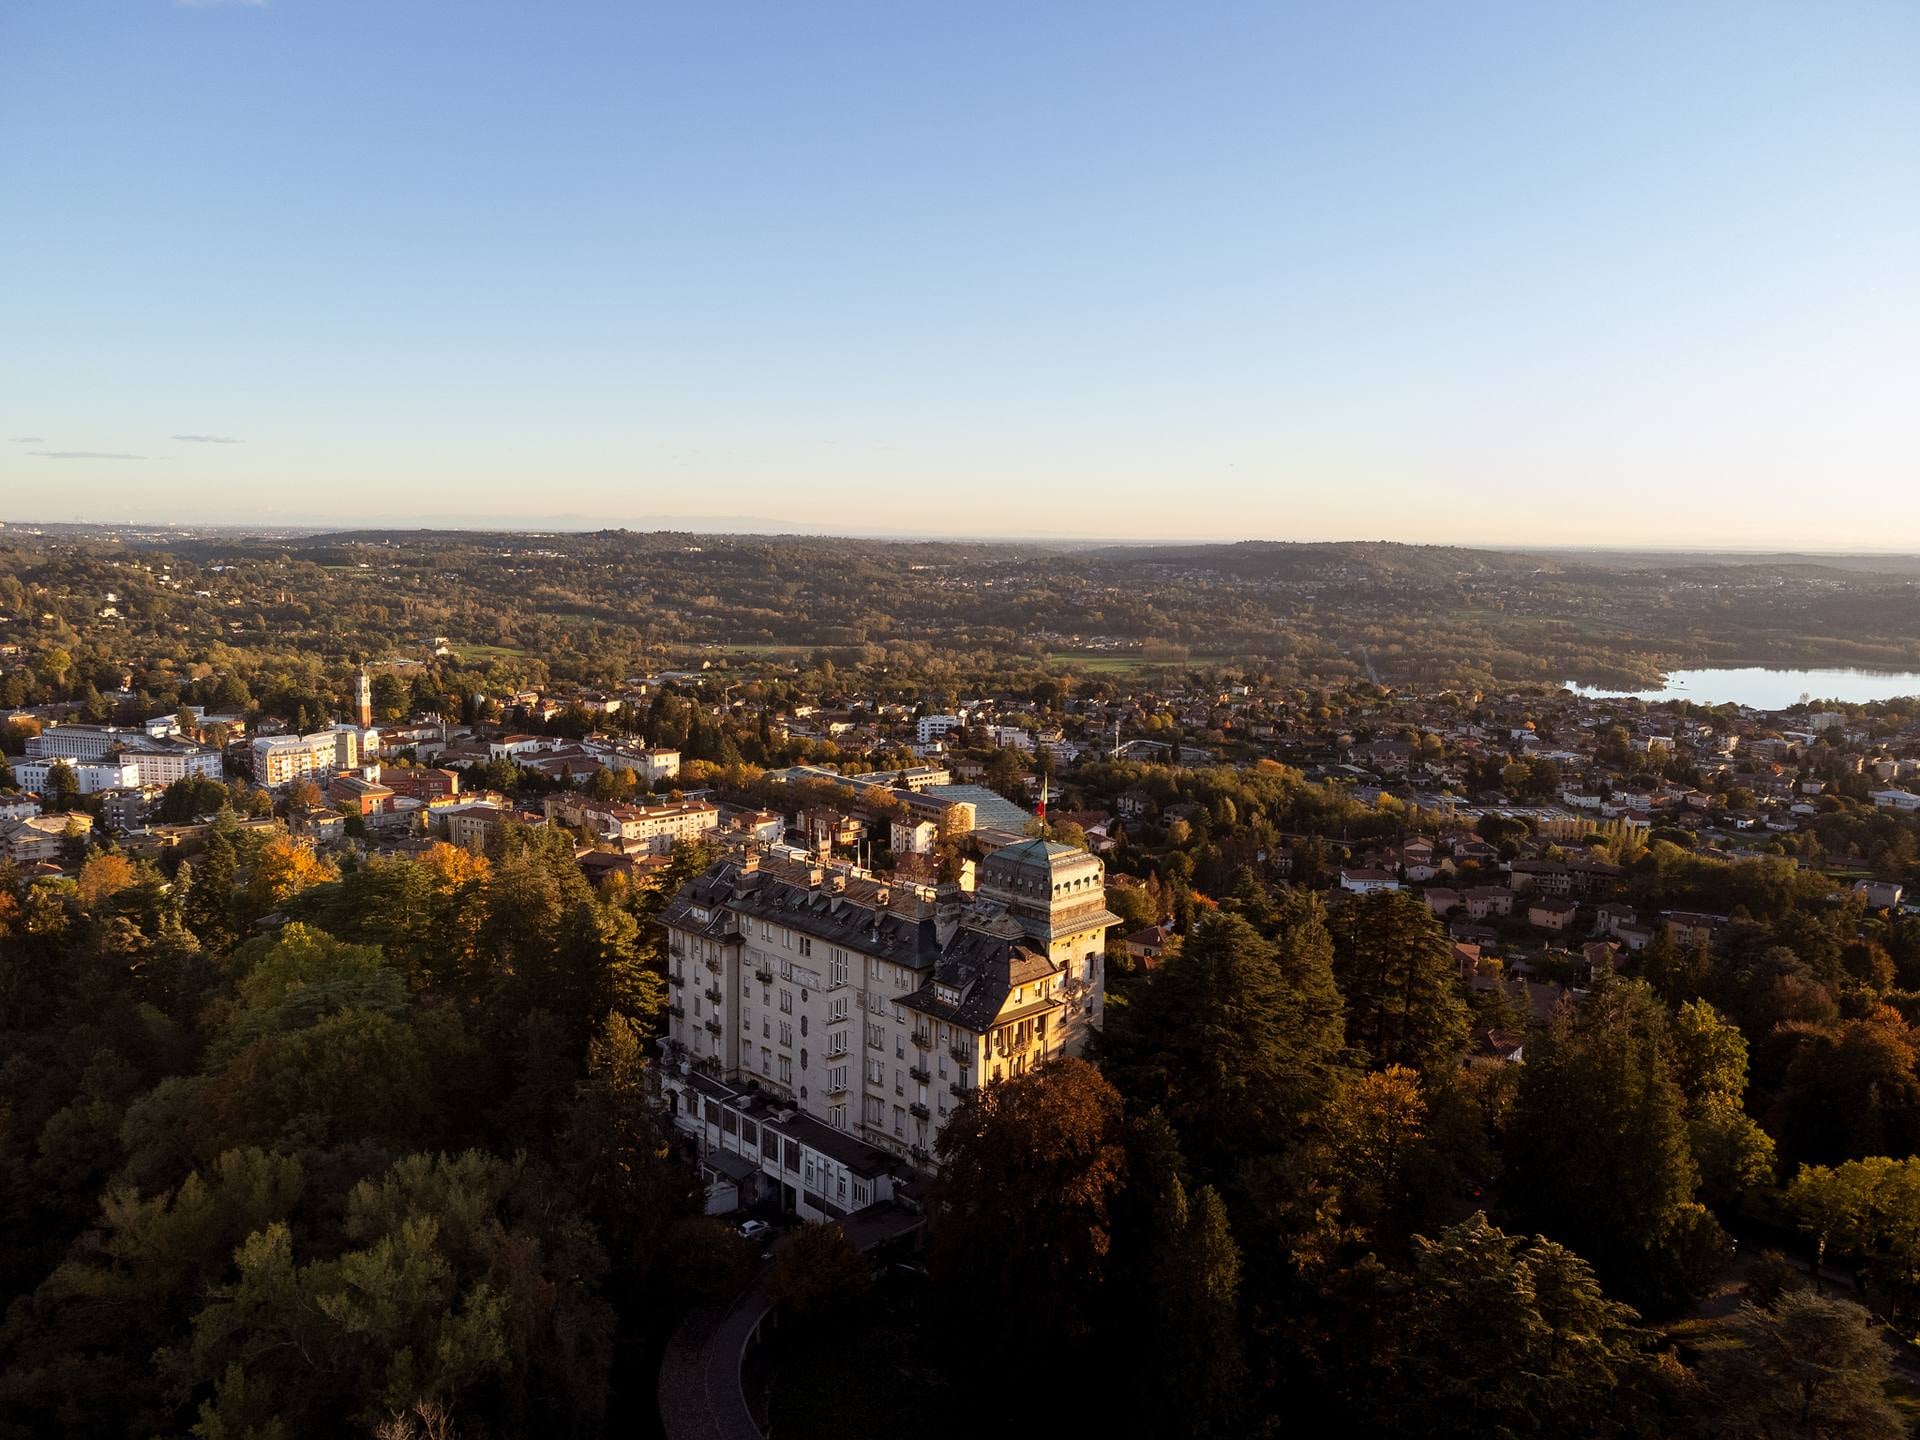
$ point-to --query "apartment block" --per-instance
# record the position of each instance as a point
(874, 1008)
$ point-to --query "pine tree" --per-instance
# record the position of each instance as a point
(1598, 1151)
(1396, 973)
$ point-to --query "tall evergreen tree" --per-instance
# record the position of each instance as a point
(1598, 1151)
(1396, 973)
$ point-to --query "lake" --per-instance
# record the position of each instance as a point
(1766, 689)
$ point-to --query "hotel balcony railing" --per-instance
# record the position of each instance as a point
(923, 1039)
(675, 979)
(678, 1012)
(920, 1074)
(919, 1111)
(764, 974)
(959, 1087)
(713, 994)
(713, 1024)
(961, 1054)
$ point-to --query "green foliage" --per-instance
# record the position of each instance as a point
(1395, 968)
(1805, 1368)
(1500, 1336)
(1236, 1037)
(1599, 1154)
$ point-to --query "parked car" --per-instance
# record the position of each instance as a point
(755, 1229)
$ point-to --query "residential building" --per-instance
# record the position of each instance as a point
(873, 1007)
(282, 759)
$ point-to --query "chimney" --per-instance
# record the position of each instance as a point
(750, 862)
(946, 912)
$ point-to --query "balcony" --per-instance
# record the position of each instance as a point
(836, 1087)
(713, 1024)
(921, 1075)
(923, 1039)
(713, 994)
(764, 974)
(919, 1111)
(675, 979)
(678, 1012)
(962, 1054)
(920, 1154)
(959, 1088)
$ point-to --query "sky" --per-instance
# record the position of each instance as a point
(1620, 274)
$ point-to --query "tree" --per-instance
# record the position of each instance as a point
(283, 868)
(1867, 1211)
(818, 1274)
(1805, 1368)
(1395, 968)
(1504, 1336)
(62, 789)
(1598, 1151)
(1020, 1216)
(103, 876)
(1710, 1067)
(1235, 1037)
(1372, 1156)
(620, 1162)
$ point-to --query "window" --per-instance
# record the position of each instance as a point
(786, 1070)
(837, 1008)
(837, 967)
(861, 1192)
(871, 1109)
(786, 1002)
(899, 1082)
(803, 1025)
(837, 1117)
(876, 1037)
(786, 1034)
(806, 945)
(876, 1072)
(899, 1121)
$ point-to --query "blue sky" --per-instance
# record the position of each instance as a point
(1607, 274)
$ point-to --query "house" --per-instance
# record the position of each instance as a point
(1484, 901)
(1610, 916)
(1364, 881)
(1148, 945)
(1494, 1047)
(39, 837)
(1441, 901)
(1551, 913)
(1879, 894)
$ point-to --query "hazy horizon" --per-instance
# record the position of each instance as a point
(1485, 275)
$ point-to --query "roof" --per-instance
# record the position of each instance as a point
(990, 809)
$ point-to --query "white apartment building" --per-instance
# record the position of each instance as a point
(930, 728)
(650, 765)
(91, 776)
(654, 827)
(282, 759)
(874, 1008)
(82, 742)
(165, 764)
